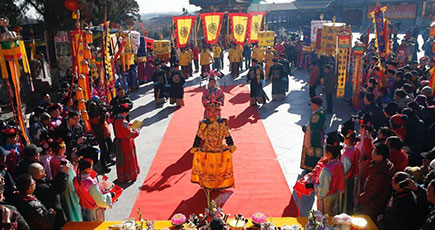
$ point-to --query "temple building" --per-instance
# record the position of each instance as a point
(223, 5)
(292, 14)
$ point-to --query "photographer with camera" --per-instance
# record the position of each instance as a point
(98, 118)
(401, 212)
(71, 132)
(77, 144)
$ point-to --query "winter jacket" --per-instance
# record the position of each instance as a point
(49, 195)
(34, 212)
(401, 212)
(374, 197)
(399, 158)
(20, 221)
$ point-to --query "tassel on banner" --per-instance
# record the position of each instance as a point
(17, 89)
(5, 74)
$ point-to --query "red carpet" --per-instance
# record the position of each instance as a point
(260, 184)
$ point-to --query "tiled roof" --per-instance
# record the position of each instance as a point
(308, 5)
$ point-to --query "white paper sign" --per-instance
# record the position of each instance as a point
(316, 24)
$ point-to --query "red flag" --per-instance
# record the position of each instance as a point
(183, 29)
(212, 24)
(240, 27)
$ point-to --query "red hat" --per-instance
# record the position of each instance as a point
(124, 108)
(9, 131)
(398, 120)
(317, 100)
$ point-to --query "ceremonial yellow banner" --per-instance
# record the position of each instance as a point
(329, 38)
(266, 38)
(212, 26)
(183, 26)
(256, 21)
(239, 26)
(162, 49)
(343, 58)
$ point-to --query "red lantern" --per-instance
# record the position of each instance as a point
(72, 5)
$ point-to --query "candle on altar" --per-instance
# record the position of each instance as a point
(358, 223)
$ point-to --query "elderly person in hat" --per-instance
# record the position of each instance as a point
(312, 148)
(127, 167)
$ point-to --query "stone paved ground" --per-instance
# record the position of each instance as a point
(282, 120)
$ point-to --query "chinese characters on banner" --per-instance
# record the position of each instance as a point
(329, 38)
(316, 32)
(358, 53)
(344, 40)
(378, 21)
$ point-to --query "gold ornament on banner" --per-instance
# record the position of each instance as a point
(183, 32)
(240, 29)
(212, 28)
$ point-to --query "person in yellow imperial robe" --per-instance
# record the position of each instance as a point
(212, 166)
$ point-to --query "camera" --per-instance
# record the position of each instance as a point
(97, 108)
(364, 119)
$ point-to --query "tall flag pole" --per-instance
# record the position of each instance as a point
(378, 21)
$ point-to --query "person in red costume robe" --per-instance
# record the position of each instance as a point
(127, 167)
